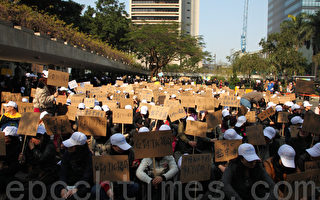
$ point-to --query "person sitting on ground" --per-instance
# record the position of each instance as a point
(310, 154)
(9, 164)
(11, 117)
(76, 165)
(244, 171)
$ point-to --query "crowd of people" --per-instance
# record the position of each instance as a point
(68, 157)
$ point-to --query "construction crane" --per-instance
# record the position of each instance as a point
(244, 28)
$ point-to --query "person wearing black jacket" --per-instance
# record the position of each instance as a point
(76, 166)
(9, 165)
(243, 172)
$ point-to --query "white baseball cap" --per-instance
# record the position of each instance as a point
(41, 130)
(68, 102)
(105, 108)
(164, 127)
(119, 140)
(44, 113)
(77, 138)
(10, 131)
(240, 121)
(81, 106)
(225, 113)
(128, 107)
(306, 104)
(63, 89)
(297, 120)
(288, 103)
(144, 101)
(190, 118)
(231, 134)
(173, 96)
(287, 155)
(314, 151)
(279, 108)
(269, 132)
(248, 152)
(25, 100)
(295, 107)
(144, 110)
(45, 73)
(97, 108)
(271, 104)
(11, 103)
(143, 129)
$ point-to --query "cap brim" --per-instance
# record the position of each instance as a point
(238, 124)
(251, 158)
(267, 135)
(124, 146)
(238, 137)
(312, 153)
(69, 143)
(288, 163)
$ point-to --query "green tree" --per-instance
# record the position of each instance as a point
(107, 22)
(314, 23)
(157, 45)
(67, 11)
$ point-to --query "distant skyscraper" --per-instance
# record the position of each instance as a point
(278, 11)
(185, 12)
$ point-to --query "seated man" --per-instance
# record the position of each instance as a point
(11, 117)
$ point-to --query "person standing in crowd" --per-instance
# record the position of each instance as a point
(251, 98)
(44, 99)
(317, 110)
(11, 117)
(243, 172)
(310, 154)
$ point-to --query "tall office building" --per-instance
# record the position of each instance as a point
(185, 12)
(278, 11)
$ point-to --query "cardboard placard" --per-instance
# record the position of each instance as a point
(81, 90)
(36, 68)
(73, 84)
(5, 96)
(231, 101)
(118, 96)
(176, 113)
(76, 99)
(205, 103)
(305, 87)
(2, 144)
(213, 119)
(89, 102)
(171, 103)
(72, 113)
(101, 97)
(57, 125)
(91, 113)
(298, 180)
(25, 107)
(111, 104)
(265, 114)
(251, 116)
(311, 123)
(127, 101)
(122, 116)
(292, 97)
(95, 126)
(188, 101)
(33, 92)
(294, 130)
(152, 144)
(118, 82)
(28, 124)
(8, 96)
(111, 168)
(61, 99)
(3, 110)
(284, 99)
(160, 99)
(255, 135)
(283, 117)
(226, 150)
(57, 78)
(146, 94)
(196, 167)
(310, 165)
(159, 112)
(196, 128)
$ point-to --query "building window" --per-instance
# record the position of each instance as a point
(155, 9)
(154, 1)
(155, 17)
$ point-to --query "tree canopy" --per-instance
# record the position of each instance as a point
(157, 45)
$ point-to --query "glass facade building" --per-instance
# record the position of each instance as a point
(278, 11)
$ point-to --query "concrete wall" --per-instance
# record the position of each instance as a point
(23, 46)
